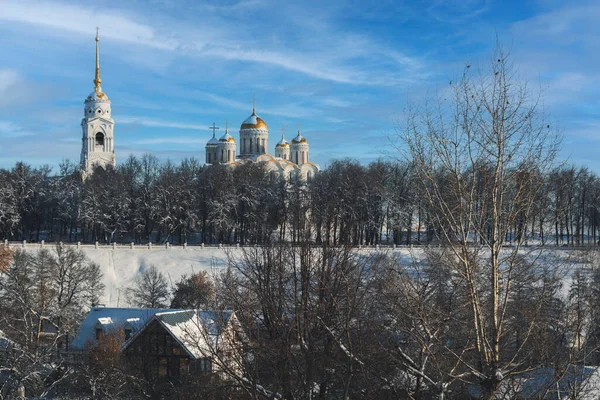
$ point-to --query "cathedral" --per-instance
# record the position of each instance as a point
(290, 159)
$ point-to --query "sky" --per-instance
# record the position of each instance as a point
(341, 71)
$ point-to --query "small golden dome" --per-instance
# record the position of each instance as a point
(282, 142)
(227, 138)
(299, 139)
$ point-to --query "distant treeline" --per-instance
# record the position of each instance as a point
(347, 203)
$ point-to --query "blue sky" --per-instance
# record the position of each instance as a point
(343, 70)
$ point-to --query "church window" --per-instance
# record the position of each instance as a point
(100, 139)
(250, 145)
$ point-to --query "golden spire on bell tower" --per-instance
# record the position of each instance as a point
(97, 80)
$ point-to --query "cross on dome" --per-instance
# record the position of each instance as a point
(214, 128)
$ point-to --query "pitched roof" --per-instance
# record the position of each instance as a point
(111, 319)
(195, 330)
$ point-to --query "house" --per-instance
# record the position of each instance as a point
(167, 342)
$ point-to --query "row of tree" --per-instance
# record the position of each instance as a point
(316, 322)
(347, 203)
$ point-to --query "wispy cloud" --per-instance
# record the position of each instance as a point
(11, 130)
(77, 19)
(171, 140)
(343, 70)
(333, 61)
(157, 123)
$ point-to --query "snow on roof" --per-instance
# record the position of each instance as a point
(251, 120)
(105, 321)
(135, 323)
(196, 331)
(213, 140)
(282, 142)
(110, 319)
(254, 122)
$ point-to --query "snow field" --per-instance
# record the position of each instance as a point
(120, 266)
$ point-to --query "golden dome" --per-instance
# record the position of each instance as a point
(299, 139)
(227, 138)
(254, 122)
(282, 142)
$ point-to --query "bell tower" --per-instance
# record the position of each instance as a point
(97, 126)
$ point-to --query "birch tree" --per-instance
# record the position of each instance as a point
(489, 141)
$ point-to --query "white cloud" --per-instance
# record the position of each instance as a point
(339, 57)
(157, 123)
(8, 77)
(77, 19)
(171, 140)
(11, 130)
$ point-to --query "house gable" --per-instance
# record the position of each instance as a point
(157, 353)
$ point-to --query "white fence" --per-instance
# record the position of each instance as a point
(155, 246)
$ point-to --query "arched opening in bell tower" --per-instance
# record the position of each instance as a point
(100, 140)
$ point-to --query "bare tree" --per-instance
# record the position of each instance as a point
(479, 156)
(195, 291)
(150, 289)
(42, 297)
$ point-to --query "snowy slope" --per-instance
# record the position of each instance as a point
(120, 265)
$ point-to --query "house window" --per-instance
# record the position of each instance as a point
(174, 366)
(162, 366)
(98, 333)
(205, 365)
(127, 334)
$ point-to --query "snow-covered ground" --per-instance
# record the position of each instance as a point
(120, 265)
